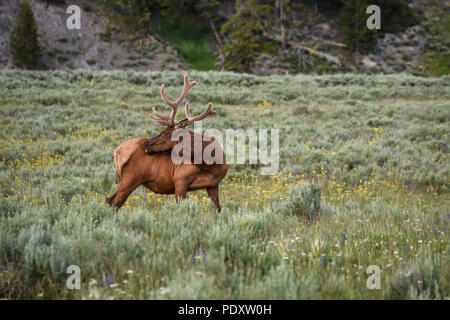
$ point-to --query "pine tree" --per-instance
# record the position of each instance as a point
(24, 44)
(246, 29)
(208, 11)
(356, 34)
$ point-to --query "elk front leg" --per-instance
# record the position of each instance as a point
(180, 191)
(213, 193)
(110, 199)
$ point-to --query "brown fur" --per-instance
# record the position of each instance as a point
(148, 162)
(157, 172)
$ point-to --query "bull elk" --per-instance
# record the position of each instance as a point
(148, 162)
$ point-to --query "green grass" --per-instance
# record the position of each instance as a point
(436, 64)
(271, 48)
(364, 180)
(437, 53)
(193, 44)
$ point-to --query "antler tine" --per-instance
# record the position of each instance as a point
(186, 110)
(161, 122)
(208, 111)
(159, 118)
(187, 85)
(156, 113)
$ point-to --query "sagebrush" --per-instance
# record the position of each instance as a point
(363, 181)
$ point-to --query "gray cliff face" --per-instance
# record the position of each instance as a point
(87, 48)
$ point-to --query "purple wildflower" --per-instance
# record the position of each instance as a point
(5, 268)
(437, 221)
(322, 260)
(405, 248)
(198, 254)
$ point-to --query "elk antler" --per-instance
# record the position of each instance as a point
(208, 111)
(160, 118)
(169, 120)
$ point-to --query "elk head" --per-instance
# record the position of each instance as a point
(163, 142)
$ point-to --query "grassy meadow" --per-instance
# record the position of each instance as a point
(363, 180)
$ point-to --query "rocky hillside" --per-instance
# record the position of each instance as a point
(315, 43)
(99, 45)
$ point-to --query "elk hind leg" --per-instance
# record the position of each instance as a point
(213, 193)
(180, 191)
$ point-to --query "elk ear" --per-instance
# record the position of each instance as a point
(181, 124)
